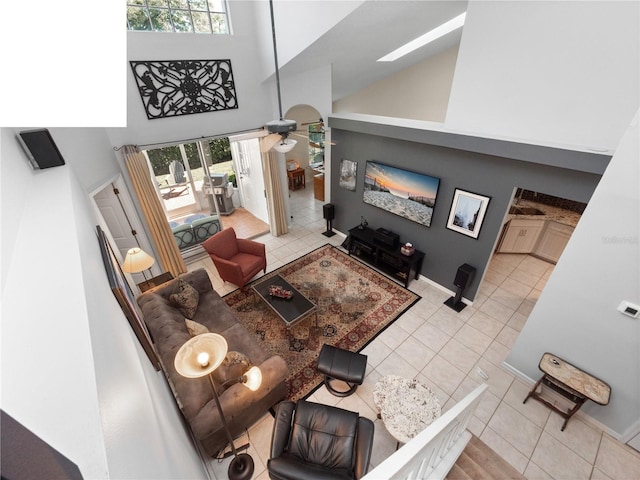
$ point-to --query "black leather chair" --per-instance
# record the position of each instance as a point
(312, 441)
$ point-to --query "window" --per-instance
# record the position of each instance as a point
(194, 16)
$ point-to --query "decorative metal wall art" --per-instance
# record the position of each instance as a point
(170, 88)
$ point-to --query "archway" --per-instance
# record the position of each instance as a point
(308, 153)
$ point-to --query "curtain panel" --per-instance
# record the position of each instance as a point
(275, 195)
(161, 234)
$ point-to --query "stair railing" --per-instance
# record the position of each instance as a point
(432, 453)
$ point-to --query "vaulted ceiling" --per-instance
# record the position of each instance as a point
(372, 30)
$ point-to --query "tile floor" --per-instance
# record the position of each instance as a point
(446, 350)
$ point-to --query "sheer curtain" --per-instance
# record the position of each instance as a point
(275, 199)
(161, 234)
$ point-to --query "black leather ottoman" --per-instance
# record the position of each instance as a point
(339, 364)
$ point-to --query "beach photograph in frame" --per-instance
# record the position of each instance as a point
(402, 192)
(467, 212)
(348, 171)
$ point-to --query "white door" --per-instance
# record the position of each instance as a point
(250, 177)
(118, 218)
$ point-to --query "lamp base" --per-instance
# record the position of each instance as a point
(238, 449)
(241, 467)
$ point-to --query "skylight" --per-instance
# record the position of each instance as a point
(428, 37)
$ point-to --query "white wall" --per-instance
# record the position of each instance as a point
(576, 317)
(562, 72)
(72, 370)
(298, 24)
(48, 382)
(420, 92)
(241, 48)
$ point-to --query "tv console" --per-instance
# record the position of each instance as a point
(385, 258)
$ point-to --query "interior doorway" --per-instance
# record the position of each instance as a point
(247, 161)
(536, 229)
(120, 221)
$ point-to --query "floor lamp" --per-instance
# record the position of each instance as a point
(136, 261)
(199, 357)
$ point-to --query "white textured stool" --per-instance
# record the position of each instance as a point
(406, 406)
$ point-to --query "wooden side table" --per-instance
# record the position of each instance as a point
(296, 179)
(570, 382)
(155, 281)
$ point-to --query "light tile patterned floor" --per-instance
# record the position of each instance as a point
(445, 350)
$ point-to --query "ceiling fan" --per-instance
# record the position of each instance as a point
(279, 129)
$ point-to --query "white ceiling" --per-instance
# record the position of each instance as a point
(371, 31)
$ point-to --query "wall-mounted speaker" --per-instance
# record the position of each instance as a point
(329, 213)
(463, 279)
(40, 148)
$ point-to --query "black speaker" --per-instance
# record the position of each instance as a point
(40, 148)
(329, 213)
(464, 276)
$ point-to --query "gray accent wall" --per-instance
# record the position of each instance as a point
(493, 174)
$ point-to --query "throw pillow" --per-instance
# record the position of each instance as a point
(234, 365)
(195, 328)
(185, 298)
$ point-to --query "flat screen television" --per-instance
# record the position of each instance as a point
(402, 192)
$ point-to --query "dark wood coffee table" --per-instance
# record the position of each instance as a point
(290, 311)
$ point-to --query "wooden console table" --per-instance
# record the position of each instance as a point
(385, 258)
(570, 382)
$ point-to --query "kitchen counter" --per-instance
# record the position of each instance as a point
(556, 214)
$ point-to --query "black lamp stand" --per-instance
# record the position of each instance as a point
(241, 467)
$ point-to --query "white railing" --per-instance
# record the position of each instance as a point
(432, 453)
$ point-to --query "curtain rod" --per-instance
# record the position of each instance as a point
(188, 140)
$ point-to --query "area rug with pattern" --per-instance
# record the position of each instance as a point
(354, 304)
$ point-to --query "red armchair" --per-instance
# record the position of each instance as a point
(237, 260)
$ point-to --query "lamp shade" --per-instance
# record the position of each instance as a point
(253, 378)
(200, 355)
(286, 145)
(137, 260)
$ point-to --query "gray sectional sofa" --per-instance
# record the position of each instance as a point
(241, 406)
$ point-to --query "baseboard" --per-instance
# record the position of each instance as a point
(588, 419)
(632, 431)
(444, 289)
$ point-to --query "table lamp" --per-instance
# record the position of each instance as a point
(199, 357)
(136, 261)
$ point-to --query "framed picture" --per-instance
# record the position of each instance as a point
(467, 212)
(124, 296)
(408, 194)
(348, 171)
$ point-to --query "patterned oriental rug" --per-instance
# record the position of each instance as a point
(355, 303)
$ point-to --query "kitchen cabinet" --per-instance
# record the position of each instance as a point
(520, 236)
(552, 241)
